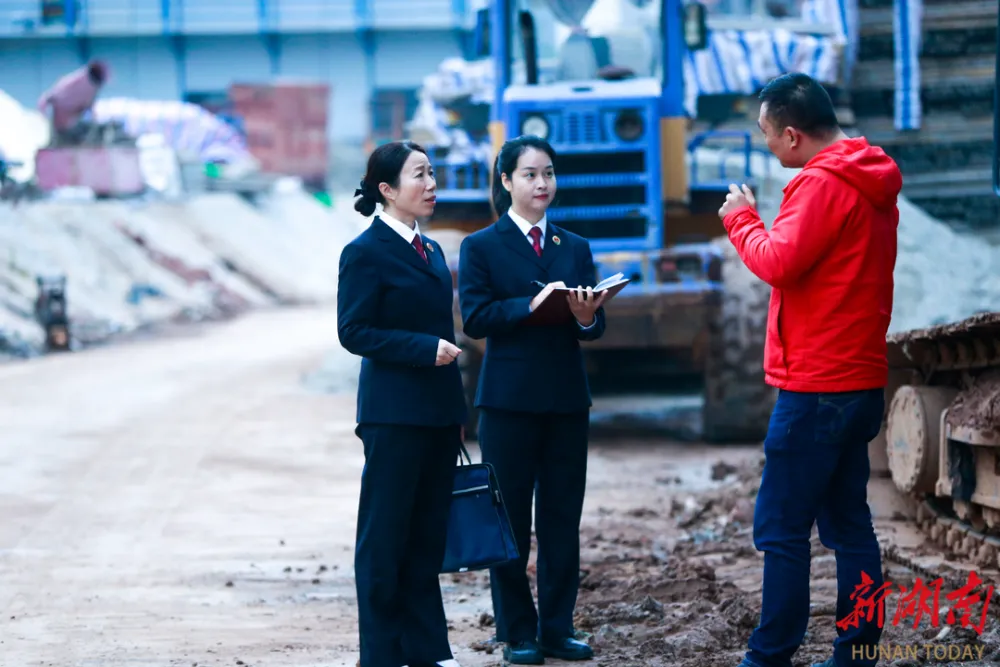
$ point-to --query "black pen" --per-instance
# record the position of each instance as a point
(538, 283)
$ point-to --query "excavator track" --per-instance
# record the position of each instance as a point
(941, 441)
(952, 536)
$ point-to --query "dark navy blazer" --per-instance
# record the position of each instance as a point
(526, 368)
(392, 308)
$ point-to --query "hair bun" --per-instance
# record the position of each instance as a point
(366, 204)
(384, 166)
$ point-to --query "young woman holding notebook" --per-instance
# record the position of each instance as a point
(533, 393)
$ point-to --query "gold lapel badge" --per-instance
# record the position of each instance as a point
(555, 239)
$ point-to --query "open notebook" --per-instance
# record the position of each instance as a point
(555, 308)
(610, 283)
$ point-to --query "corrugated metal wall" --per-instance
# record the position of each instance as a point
(152, 17)
(145, 67)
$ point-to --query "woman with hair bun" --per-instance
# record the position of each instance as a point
(533, 394)
(394, 309)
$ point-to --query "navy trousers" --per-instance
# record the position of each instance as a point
(402, 528)
(816, 471)
(540, 457)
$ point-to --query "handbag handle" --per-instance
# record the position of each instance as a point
(463, 452)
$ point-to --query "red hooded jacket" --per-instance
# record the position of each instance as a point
(829, 258)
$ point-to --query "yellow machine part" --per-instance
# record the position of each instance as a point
(498, 135)
(673, 169)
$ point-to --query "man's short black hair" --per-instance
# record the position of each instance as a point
(797, 100)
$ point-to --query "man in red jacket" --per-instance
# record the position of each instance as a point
(829, 258)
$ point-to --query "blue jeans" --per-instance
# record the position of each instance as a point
(816, 470)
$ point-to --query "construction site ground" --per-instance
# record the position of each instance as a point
(189, 500)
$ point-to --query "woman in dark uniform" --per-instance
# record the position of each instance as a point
(533, 394)
(394, 309)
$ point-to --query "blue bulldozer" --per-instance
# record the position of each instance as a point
(693, 317)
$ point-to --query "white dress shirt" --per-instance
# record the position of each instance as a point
(525, 227)
(400, 228)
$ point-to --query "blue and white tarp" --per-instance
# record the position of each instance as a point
(187, 128)
(843, 16)
(906, 15)
(736, 61)
(742, 61)
(739, 61)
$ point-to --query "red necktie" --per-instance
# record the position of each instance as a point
(536, 240)
(419, 246)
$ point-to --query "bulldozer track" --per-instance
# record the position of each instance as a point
(944, 377)
(954, 536)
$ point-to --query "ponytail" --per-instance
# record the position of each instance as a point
(501, 198)
(506, 163)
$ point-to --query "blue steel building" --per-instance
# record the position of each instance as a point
(372, 53)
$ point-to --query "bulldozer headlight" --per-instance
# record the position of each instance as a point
(629, 125)
(535, 125)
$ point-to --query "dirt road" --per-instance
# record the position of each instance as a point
(188, 501)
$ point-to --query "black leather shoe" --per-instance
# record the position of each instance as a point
(568, 649)
(523, 653)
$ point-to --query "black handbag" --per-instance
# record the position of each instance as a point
(479, 531)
